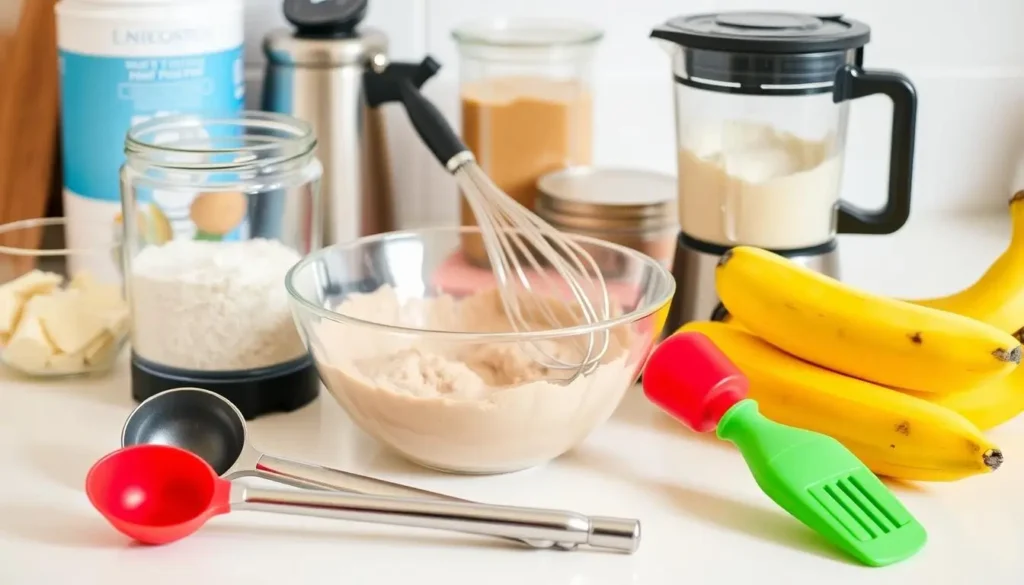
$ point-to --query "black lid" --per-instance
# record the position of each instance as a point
(325, 18)
(765, 32)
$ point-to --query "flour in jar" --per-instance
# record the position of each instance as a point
(747, 183)
(213, 306)
(469, 406)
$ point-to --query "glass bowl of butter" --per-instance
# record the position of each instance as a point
(62, 308)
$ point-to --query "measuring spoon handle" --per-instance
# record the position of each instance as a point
(553, 527)
(309, 475)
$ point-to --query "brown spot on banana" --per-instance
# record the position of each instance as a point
(725, 258)
(993, 458)
(1008, 356)
(1017, 196)
(1019, 335)
(915, 338)
(903, 428)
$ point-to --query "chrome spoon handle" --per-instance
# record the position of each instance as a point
(551, 527)
(309, 475)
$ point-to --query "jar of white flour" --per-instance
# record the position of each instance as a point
(125, 61)
(209, 306)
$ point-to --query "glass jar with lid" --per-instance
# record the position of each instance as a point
(526, 104)
(216, 211)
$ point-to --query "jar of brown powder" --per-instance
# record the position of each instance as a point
(525, 91)
(632, 208)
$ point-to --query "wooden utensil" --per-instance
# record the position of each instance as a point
(29, 110)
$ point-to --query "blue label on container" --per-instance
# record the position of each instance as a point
(104, 96)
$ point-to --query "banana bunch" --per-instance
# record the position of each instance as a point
(857, 333)
(907, 386)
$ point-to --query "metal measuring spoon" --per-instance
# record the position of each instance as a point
(209, 426)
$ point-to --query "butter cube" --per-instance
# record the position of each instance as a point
(66, 363)
(69, 323)
(14, 294)
(99, 350)
(29, 348)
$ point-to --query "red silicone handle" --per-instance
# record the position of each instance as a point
(688, 377)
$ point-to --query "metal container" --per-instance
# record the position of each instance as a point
(315, 73)
(633, 208)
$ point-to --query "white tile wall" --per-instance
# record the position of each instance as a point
(967, 64)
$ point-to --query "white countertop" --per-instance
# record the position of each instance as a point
(704, 520)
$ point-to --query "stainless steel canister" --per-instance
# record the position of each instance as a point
(315, 73)
(633, 208)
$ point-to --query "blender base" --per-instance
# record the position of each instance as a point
(694, 271)
(282, 388)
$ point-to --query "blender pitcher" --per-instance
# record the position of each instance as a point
(762, 104)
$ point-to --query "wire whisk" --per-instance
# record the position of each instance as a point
(532, 262)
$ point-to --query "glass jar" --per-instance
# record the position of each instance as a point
(526, 103)
(216, 211)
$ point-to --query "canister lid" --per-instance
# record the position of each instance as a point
(284, 47)
(765, 32)
(325, 18)
(607, 199)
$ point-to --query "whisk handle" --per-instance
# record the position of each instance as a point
(401, 82)
(431, 125)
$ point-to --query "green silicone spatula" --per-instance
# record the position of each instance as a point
(812, 476)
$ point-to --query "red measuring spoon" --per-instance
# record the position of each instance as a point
(157, 494)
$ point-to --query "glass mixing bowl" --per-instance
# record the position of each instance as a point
(411, 340)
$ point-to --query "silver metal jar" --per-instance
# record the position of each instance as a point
(315, 73)
(633, 208)
(215, 212)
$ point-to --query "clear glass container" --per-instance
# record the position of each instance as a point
(422, 357)
(526, 99)
(762, 107)
(222, 209)
(47, 285)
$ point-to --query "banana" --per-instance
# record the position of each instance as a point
(997, 298)
(893, 433)
(986, 406)
(868, 336)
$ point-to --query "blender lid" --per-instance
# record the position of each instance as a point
(765, 32)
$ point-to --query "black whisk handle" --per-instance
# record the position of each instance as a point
(401, 82)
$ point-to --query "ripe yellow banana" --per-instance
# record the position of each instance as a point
(997, 298)
(893, 433)
(867, 336)
(988, 405)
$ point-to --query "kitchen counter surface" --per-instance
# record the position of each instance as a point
(704, 520)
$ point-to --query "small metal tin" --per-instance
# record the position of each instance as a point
(631, 207)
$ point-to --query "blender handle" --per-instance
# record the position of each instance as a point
(852, 82)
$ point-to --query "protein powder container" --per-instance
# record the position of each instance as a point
(125, 61)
